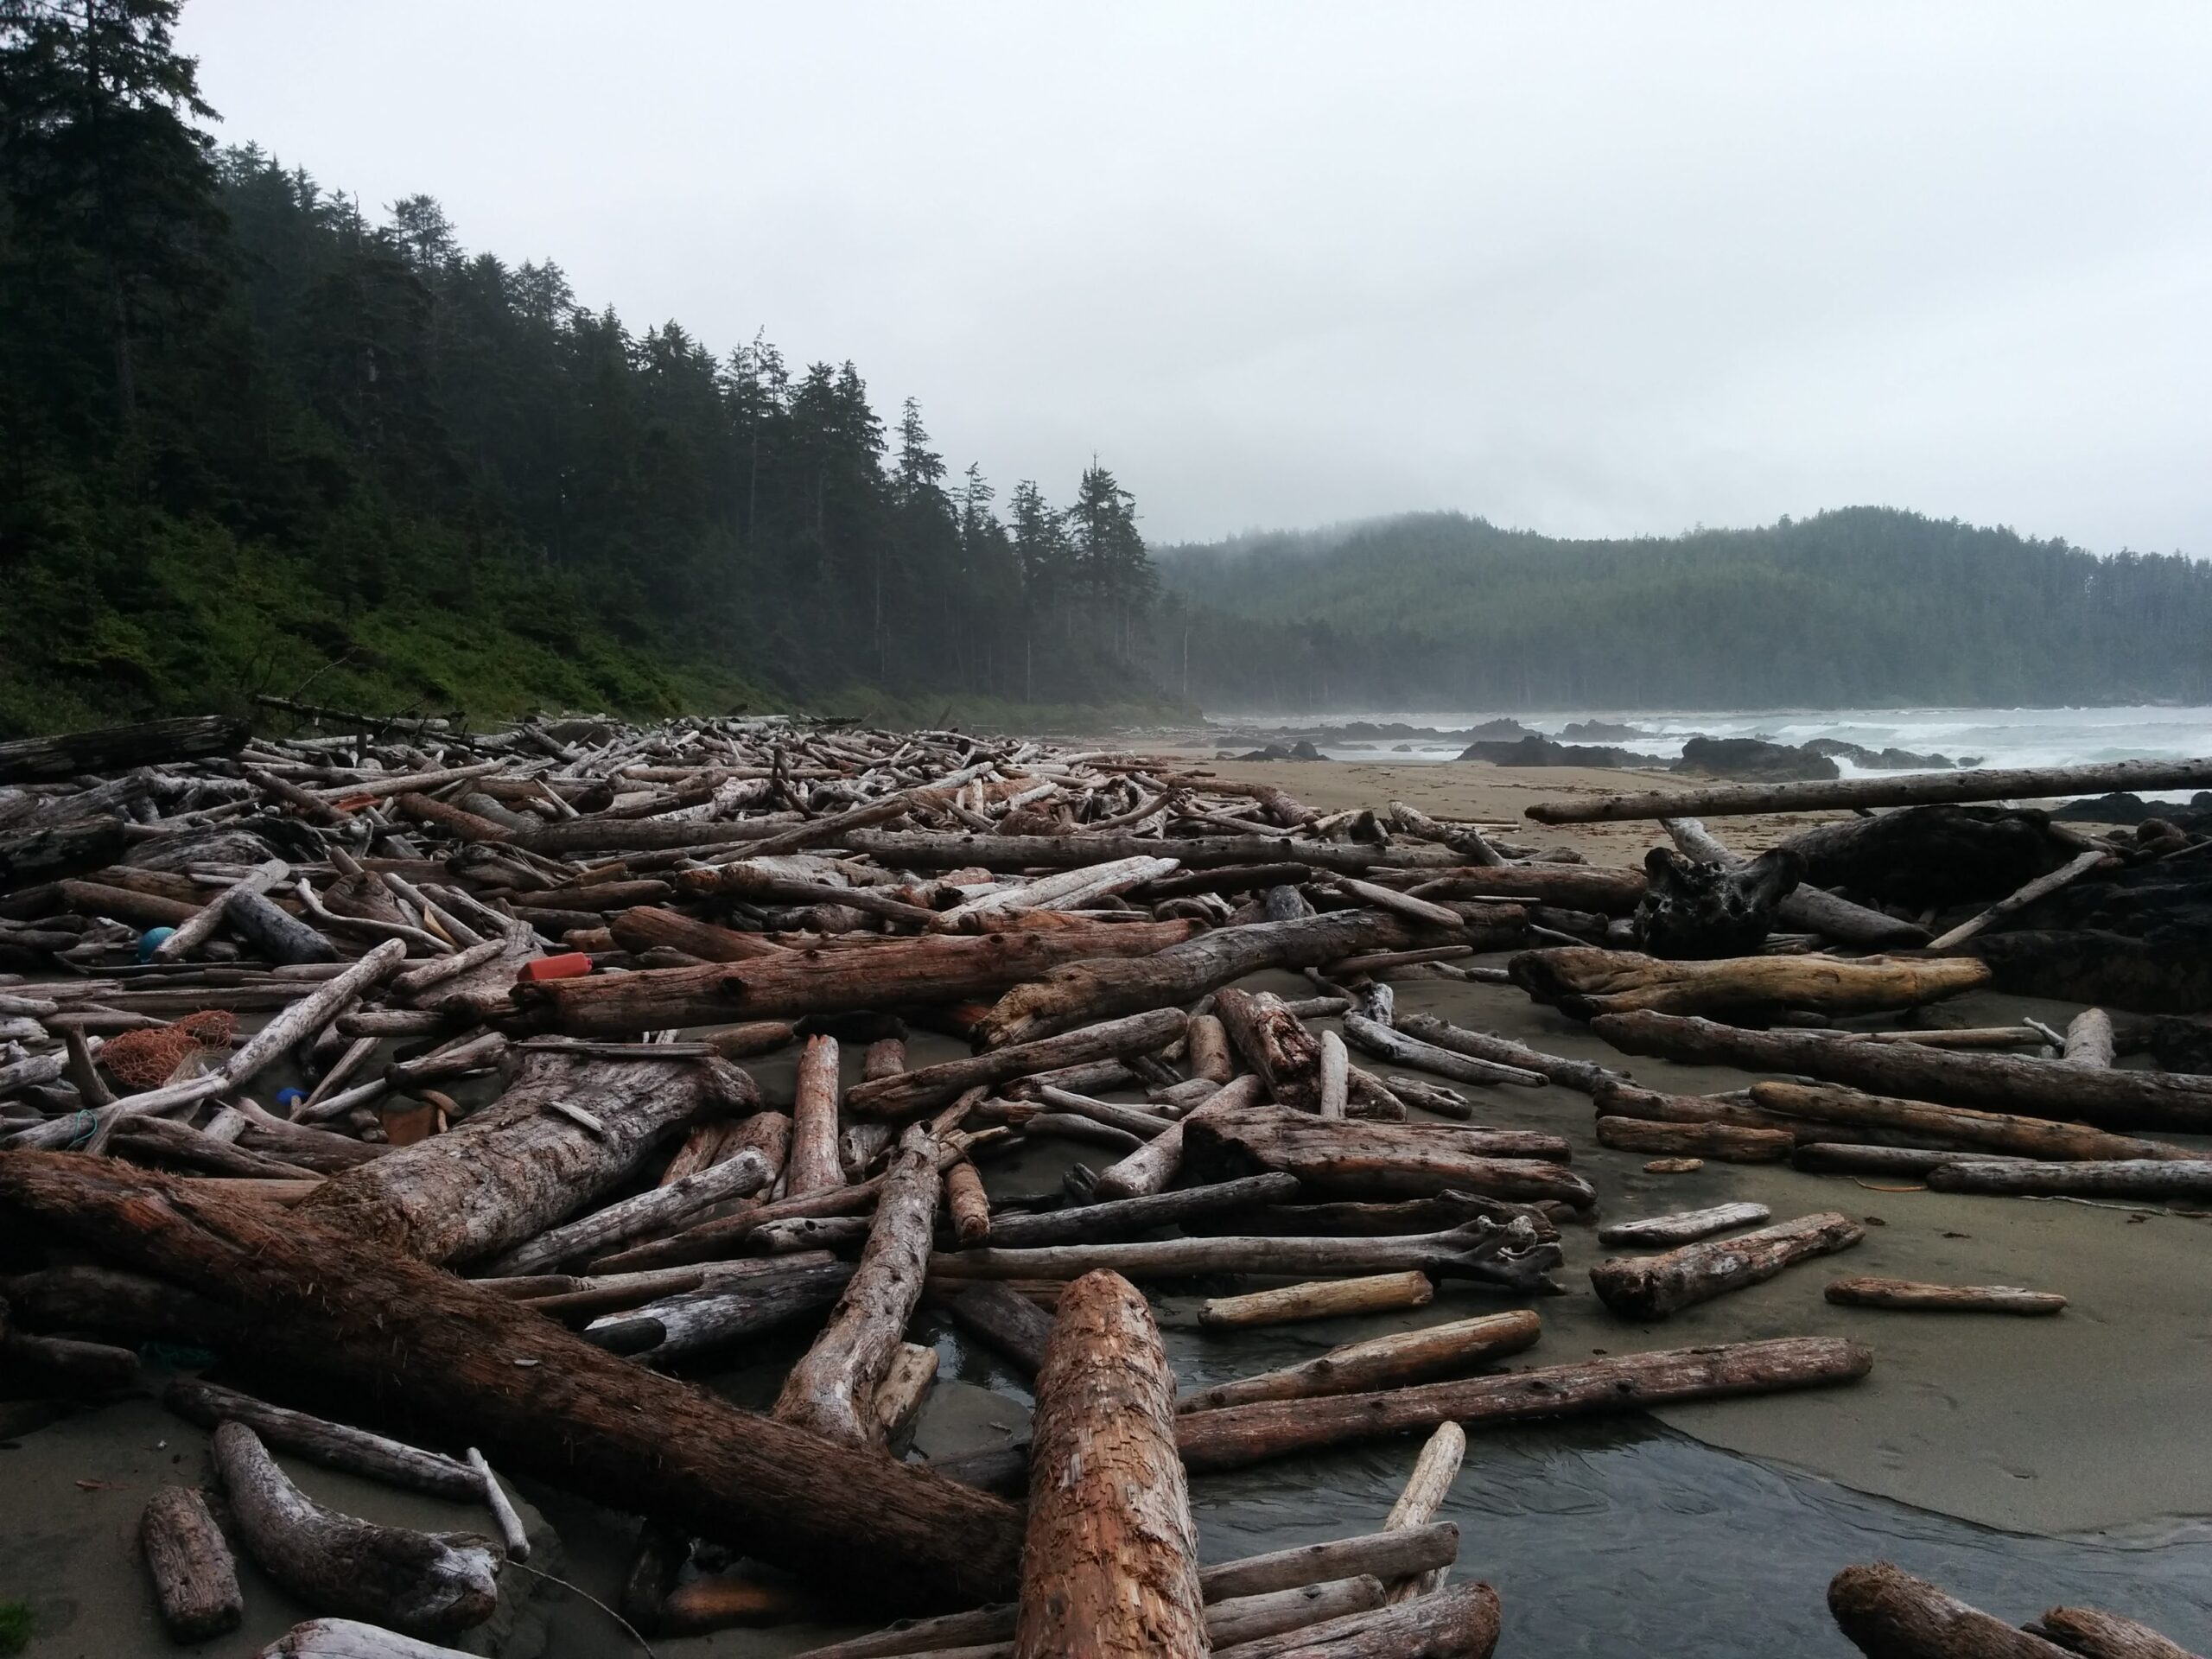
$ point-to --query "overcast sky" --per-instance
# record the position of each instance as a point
(1586, 269)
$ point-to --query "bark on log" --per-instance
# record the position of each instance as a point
(114, 748)
(1386, 1043)
(1584, 982)
(1110, 1565)
(1993, 784)
(195, 1580)
(934, 1086)
(2128, 1178)
(1248, 1434)
(1943, 1299)
(2099, 1635)
(884, 974)
(1586, 1076)
(830, 1390)
(420, 1584)
(1724, 1141)
(1460, 1622)
(1381, 1362)
(1889, 1614)
(334, 1446)
(1182, 973)
(328, 1307)
(1128, 1217)
(1323, 1299)
(1685, 1227)
(1006, 1321)
(2115, 1099)
(516, 1168)
(1355, 1159)
(1274, 1043)
(813, 1166)
(1656, 1286)
(1957, 1127)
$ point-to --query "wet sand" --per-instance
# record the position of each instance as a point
(2087, 1423)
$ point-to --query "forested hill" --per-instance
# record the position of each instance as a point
(257, 439)
(1867, 605)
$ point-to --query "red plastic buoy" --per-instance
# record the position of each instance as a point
(570, 965)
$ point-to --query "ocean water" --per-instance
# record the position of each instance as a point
(1990, 737)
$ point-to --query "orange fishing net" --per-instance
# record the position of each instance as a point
(145, 1059)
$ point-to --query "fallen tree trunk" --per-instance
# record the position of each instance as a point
(831, 1390)
(1654, 1287)
(935, 1085)
(1090, 990)
(1110, 1564)
(1889, 1614)
(1584, 981)
(1380, 1362)
(1274, 1043)
(812, 1166)
(195, 1580)
(1692, 910)
(1356, 1158)
(328, 1307)
(1457, 1252)
(1995, 784)
(2125, 1178)
(420, 1584)
(116, 748)
(52, 852)
(883, 973)
(1248, 1434)
(1943, 1299)
(1460, 1622)
(2112, 1099)
(1725, 1142)
(1956, 1127)
(519, 1166)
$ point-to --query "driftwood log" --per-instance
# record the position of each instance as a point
(195, 1580)
(1654, 1287)
(329, 1307)
(1726, 1142)
(1383, 1361)
(335, 1445)
(1246, 1434)
(1693, 910)
(1459, 1623)
(2099, 1635)
(934, 1086)
(1323, 1299)
(1585, 981)
(1686, 1226)
(1943, 1299)
(1889, 1614)
(1110, 1565)
(1955, 1127)
(1354, 1158)
(2150, 1180)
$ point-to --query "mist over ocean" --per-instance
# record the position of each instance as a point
(1988, 737)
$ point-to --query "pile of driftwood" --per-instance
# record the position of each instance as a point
(475, 1155)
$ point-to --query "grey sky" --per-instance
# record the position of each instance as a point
(1587, 269)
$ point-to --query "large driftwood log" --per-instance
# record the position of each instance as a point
(1459, 1623)
(1128, 1217)
(195, 1580)
(1726, 1142)
(113, 748)
(1943, 1299)
(1274, 1043)
(934, 1086)
(1090, 990)
(1110, 1565)
(1464, 1251)
(541, 1402)
(2153, 1180)
(2099, 1635)
(1584, 981)
(519, 1166)
(2113, 1099)
(1813, 909)
(1573, 886)
(52, 852)
(1889, 1614)
(738, 1177)
(1246, 1434)
(1149, 1169)
(828, 979)
(813, 1165)
(1654, 1287)
(1988, 784)
(1955, 1127)
(1355, 1159)
(420, 1584)
(1692, 910)
(831, 1390)
(915, 851)
(1323, 1298)
(1685, 1227)
(1380, 1362)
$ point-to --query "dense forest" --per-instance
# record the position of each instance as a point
(256, 439)
(1864, 606)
